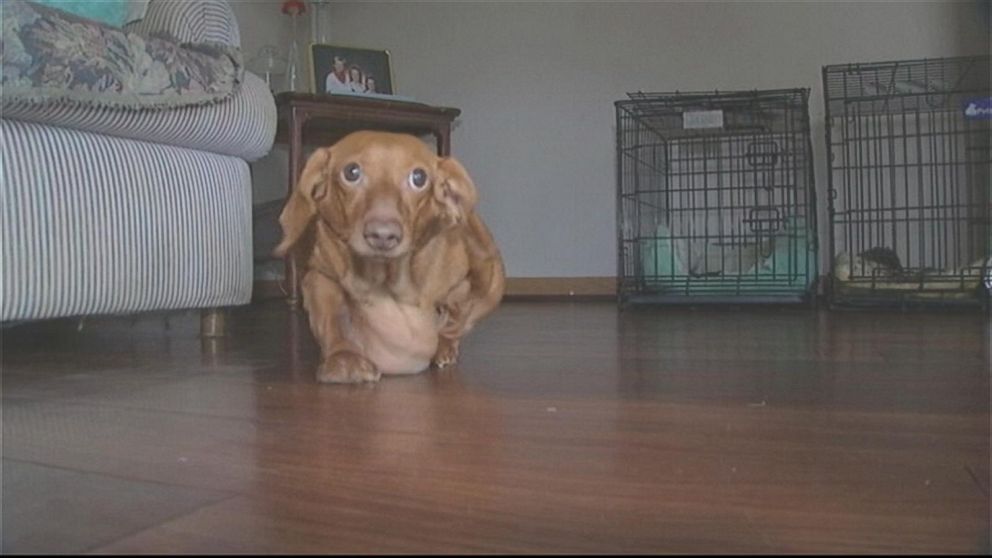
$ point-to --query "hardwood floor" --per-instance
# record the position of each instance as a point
(567, 428)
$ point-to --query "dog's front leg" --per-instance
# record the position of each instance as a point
(342, 360)
(447, 351)
(452, 324)
(466, 304)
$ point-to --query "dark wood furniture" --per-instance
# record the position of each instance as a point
(319, 119)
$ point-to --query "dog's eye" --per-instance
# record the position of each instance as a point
(418, 179)
(352, 172)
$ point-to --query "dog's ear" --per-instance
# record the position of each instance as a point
(454, 190)
(301, 208)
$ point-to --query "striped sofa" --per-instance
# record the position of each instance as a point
(118, 211)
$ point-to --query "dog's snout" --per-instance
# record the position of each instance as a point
(382, 234)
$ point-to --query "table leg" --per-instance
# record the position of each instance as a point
(296, 122)
(443, 136)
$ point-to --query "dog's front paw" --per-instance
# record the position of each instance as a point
(346, 367)
(447, 353)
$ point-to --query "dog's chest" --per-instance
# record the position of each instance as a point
(399, 338)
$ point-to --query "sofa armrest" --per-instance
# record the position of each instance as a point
(190, 21)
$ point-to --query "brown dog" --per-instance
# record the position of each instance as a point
(399, 266)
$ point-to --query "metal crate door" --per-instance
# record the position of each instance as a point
(715, 197)
(909, 180)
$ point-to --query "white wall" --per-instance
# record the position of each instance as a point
(261, 23)
(536, 82)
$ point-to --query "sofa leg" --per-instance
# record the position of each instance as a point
(212, 323)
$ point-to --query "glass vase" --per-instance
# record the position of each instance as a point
(294, 81)
(270, 65)
(296, 76)
(320, 24)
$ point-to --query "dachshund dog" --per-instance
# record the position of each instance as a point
(399, 266)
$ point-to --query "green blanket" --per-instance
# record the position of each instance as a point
(782, 262)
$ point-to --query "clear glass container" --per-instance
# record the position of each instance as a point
(296, 76)
(270, 66)
(320, 22)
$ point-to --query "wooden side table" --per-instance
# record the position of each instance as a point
(320, 119)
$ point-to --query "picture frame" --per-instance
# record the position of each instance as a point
(336, 69)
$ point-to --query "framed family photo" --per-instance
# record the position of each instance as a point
(355, 71)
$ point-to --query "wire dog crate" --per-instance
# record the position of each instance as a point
(909, 182)
(715, 197)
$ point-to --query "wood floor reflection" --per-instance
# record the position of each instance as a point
(566, 428)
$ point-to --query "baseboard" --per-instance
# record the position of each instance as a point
(516, 288)
(561, 287)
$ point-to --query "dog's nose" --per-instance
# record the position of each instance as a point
(383, 235)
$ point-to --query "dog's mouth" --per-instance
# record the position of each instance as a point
(363, 249)
(384, 256)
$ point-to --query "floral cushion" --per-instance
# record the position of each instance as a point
(111, 12)
(50, 56)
